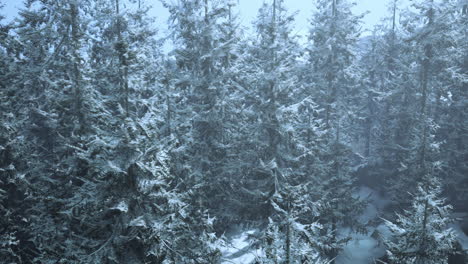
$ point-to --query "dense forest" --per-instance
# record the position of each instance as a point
(115, 150)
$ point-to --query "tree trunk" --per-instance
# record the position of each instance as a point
(123, 64)
(426, 64)
(76, 66)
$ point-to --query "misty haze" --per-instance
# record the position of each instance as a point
(234, 131)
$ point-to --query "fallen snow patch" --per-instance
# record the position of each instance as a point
(461, 237)
(376, 204)
(360, 249)
(238, 250)
(122, 207)
(365, 248)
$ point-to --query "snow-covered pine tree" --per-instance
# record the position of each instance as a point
(114, 211)
(15, 203)
(295, 212)
(171, 225)
(428, 40)
(202, 39)
(387, 115)
(272, 244)
(292, 234)
(125, 56)
(389, 63)
(154, 220)
(111, 152)
(333, 37)
(52, 115)
(305, 133)
(230, 100)
(421, 235)
(450, 110)
(268, 80)
(367, 113)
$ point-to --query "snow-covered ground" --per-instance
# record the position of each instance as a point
(376, 204)
(461, 236)
(238, 251)
(362, 249)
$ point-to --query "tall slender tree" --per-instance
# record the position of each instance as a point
(204, 35)
(427, 38)
(333, 38)
(421, 235)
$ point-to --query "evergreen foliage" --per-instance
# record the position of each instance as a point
(119, 146)
(421, 235)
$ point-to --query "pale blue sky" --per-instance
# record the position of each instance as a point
(248, 10)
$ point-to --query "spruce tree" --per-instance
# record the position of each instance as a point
(269, 80)
(428, 38)
(333, 36)
(421, 234)
(450, 109)
(15, 201)
(205, 38)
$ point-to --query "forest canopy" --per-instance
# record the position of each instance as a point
(116, 150)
